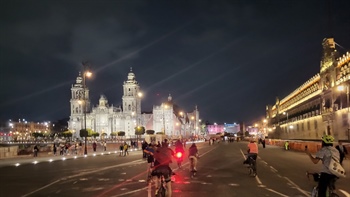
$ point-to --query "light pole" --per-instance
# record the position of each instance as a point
(341, 88)
(86, 73)
(286, 113)
(164, 106)
(139, 95)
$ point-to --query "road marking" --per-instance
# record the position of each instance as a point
(296, 186)
(82, 174)
(345, 193)
(271, 190)
(273, 169)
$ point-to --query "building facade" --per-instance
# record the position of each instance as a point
(320, 105)
(105, 118)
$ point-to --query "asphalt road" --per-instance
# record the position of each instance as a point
(220, 174)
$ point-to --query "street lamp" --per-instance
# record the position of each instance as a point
(286, 113)
(341, 88)
(164, 106)
(139, 95)
(86, 73)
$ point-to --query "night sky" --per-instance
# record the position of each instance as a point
(230, 58)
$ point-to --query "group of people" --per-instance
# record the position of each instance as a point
(325, 155)
(160, 159)
(123, 149)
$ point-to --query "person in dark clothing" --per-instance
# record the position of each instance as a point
(144, 146)
(36, 150)
(342, 152)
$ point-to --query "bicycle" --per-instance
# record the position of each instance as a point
(193, 172)
(331, 186)
(252, 166)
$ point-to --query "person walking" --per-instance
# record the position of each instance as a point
(36, 150)
(94, 146)
(121, 148)
(126, 146)
(104, 146)
(342, 151)
(54, 149)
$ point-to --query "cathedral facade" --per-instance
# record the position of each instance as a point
(167, 118)
(320, 105)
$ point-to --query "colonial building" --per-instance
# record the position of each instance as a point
(318, 106)
(105, 118)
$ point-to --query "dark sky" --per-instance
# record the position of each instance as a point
(231, 58)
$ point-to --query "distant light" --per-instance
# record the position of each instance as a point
(35, 162)
(17, 164)
(75, 157)
(50, 160)
(94, 154)
(63, 158)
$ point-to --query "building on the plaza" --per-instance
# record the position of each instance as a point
(23, 130)
(318, 106)
(105, 118)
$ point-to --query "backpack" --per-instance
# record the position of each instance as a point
(335, 168)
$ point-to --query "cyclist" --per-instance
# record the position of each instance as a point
(163, 156)
(325, 155)
(179, 147)
(193, 153)
(252, 150)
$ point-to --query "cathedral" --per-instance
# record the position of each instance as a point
(105, 119)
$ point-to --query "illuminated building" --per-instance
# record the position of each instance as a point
(317, 106)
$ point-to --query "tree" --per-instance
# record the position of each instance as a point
(83, 133)
(150, 132)
(121, 133)
(36, 135)
(139, 131)
(113, 134)
(160, 133)
(67, 134)
(95, 134)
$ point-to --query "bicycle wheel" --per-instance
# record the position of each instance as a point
(250, 170)
(333, 195)
(161, 192)
(314, 192)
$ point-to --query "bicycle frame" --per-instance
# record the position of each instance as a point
(330, 188)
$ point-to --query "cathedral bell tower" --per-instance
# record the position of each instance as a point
(131, 100)
(77, 103)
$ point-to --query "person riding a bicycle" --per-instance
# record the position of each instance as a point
(179, 147)
(193, 154)
(252, 150)
(325, 155)
(163, 156)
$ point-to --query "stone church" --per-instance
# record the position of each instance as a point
(105, 118)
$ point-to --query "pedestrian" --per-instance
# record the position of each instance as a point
(126, 147)
(286, 145)
(36, 150)
(144, 146)
(54, 149)
(94, 145)
(105, 146)
(121, 148)
(342, 151)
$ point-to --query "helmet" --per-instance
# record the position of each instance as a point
(328, 139)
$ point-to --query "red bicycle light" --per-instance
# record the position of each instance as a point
(179, 154)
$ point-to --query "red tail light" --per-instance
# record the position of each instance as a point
(179, 154)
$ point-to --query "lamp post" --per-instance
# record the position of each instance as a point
(341, 88)
(286, 113)
(139, 95)
(86, 73)
(164, 106)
